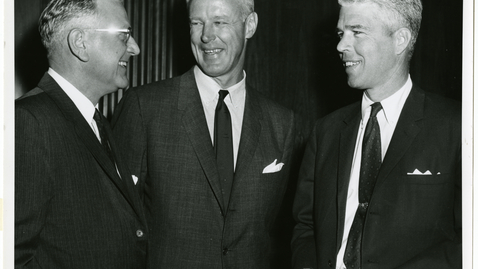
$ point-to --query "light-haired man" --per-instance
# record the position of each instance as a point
(380, 183)
(76, 205)
(212, 153)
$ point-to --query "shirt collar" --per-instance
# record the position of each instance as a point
(392, 105)
(209, 88)
(84, 105)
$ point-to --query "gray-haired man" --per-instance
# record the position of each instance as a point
(380, 183)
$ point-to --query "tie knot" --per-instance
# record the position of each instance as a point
(222, 95)
(97, 116)
(376, 107)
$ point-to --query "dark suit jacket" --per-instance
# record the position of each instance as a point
(412, 221)
(163, 129)
(72, 210)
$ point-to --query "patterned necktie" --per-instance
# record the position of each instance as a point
(370, 164)
(223, 146)
(103, 136)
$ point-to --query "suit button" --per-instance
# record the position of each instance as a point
(225, 251)
(139, 233)
(330, 263)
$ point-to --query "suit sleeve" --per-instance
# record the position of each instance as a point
(33, 188)
(303, 242)
(130, 136)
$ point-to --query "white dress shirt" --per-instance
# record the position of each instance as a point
(387, 119)
(235, 102)
(84, 105)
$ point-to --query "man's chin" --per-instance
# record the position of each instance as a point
(353, 82)
(123, 84)
(211, 71)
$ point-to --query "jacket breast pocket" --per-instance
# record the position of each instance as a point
(427, 179)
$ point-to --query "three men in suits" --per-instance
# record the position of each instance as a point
(199, 217)
(76, 205)
(388, 196)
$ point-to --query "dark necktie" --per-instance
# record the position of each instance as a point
(370, 164)
(104, 137)
(223, 146)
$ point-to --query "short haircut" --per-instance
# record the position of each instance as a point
(247, 7)
(58, 15)
(400, 13)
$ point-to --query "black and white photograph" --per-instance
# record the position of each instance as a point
(238, 134)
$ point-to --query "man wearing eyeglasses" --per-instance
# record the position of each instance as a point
(76, 205)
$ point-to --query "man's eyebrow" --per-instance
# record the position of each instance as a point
(357, 27)
(220, 17)
(352, 27)
(213, 18)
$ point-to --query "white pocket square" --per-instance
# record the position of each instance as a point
(417, 172)
(135, 179)
(273, 167)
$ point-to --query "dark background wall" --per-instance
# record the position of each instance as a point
(292, 59)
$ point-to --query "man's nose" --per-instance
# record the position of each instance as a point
(344, 43)
(208, 33)
(133, 47)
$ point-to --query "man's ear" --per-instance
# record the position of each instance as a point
(251, 24)
(403, 36)
(77, 44)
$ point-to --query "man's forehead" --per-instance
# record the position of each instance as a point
(216, 8)
(359, 16)
(111, 13)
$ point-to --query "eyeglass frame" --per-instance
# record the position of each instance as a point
(128, 31)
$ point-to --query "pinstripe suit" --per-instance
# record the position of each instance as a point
(163, 131)
(72, 210)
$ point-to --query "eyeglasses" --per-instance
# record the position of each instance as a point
(127, 32)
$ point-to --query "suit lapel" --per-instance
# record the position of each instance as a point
(83, 130)
(406, 130)
(408, 126)
(125, 184)
(194, 122)
(348, 137)
(250, 134)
